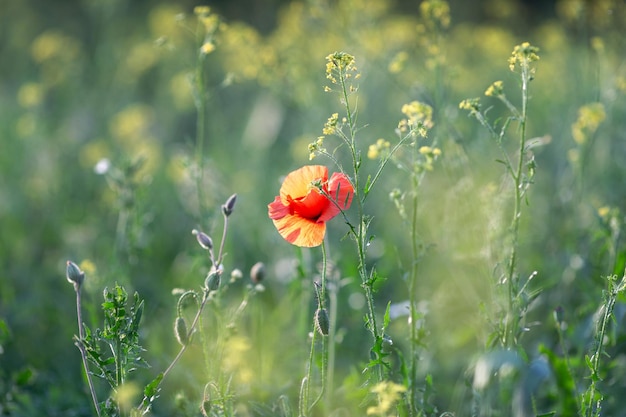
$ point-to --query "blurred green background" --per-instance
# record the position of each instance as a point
(88, 87)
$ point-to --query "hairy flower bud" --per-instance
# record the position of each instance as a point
(73, 274)
(180, 330)
(229, 206)
(212, 281)
(321, 321)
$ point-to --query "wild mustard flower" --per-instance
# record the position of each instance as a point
(419, 118)
(495, 90)
(379, 149)
(590, 117)
(436, 12)
(307, 200)
(397, 62)
(331, 125)
(388, 395)
(470, 104)
(523, 55)
(30, 95)
(342, 66)
(316, 147)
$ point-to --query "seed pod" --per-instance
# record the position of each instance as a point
(180, 330)
(321, 321)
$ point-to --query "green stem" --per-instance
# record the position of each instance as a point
(413, 305)
(361, 232)
(513, 320)
(81, 347)
(613, 292)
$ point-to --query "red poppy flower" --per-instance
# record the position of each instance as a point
(307, 200)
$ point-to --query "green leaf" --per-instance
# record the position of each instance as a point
(152, 389)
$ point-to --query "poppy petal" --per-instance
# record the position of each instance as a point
(299, 231)
(340, 191)
(277, 210)
(297, 183)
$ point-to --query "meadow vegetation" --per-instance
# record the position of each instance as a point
(369, 208)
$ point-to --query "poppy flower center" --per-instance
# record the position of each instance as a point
(310, 207)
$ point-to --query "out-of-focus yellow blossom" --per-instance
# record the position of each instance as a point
(397, 62)
(141, 57)
(597, 44)
(419, 118)
(378, 149)
(163, 23)
(88, 267)
(437, 12)
(54, 44)
(180, 88)
(430, 155)
(207, 48)
(131, 123)
(30, 95)
(496, 89)
(92, 152)
(237, 359)
(388, 395)
(604, 211)
(573, 155)
(589, 118)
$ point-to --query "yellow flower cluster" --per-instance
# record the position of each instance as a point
(330, 126)
(316, 147)
(430, 155)
(589, 118)
(388, 395)
(470, 104)
(495, 90)
(342, 65)
(210, 22)
(523, 55)
(419, 118)
(436, 11)
(378, 149)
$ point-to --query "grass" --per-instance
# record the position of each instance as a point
(474, 268)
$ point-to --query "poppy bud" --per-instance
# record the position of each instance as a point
(203, 239)
(212, 281)
(180, 330)
(229, 206)
(321, 321)
(73, 274)
(257, 272)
